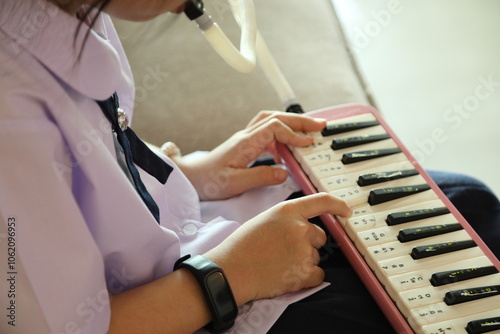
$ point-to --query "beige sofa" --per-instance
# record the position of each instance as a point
(187, 94)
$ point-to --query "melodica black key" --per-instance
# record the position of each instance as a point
(402, 217)
(378, 196)
(334, 129)
(421, 252)
(416, 233)
(483, 325)
(352, 157)
(466, 295)
(374, 178)
(453, 276)
(346, 142)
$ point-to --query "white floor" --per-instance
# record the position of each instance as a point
(433, 69)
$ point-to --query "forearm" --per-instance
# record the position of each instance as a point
(172, 304)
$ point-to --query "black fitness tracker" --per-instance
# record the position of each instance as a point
(216, 289)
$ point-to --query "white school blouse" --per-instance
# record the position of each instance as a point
(73, 230)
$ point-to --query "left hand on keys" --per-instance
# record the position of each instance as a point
(224, 172)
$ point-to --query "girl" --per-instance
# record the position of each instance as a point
(92, 239)
(78, 226)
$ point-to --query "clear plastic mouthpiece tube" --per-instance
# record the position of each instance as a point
(252, 46)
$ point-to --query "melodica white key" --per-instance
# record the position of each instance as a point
(394, 249)
(394, 171)
(319, 144)
(402, 265)
(417, 230)
(439, 312)
(360, 195)
(423, 277)
(319, 172)
(477, 323)
(407, 263)
(395, 205)
(387, 147)
(358, 224)
(430, 295)
(353, 225)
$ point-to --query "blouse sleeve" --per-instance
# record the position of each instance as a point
(48, 257)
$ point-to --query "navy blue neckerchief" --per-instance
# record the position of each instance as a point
(136, 151)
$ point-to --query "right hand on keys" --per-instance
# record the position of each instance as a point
(276, 252)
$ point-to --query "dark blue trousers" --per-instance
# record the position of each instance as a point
(346, 306)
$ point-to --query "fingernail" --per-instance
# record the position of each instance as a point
(350, 212)
(280, 175)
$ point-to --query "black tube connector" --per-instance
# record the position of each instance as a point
(295, 108)
(194, 9)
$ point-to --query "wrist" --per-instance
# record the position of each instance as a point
(195, 171)
(240, 280)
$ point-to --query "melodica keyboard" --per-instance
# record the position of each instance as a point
(425, 266)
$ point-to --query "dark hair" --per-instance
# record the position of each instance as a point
(87, 14)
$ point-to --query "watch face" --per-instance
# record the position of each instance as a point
(221, 295)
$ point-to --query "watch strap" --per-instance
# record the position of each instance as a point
(215, 288)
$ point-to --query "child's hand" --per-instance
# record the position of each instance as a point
(276, 252)
(224, 172)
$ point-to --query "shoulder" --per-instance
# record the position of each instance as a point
(24, 83)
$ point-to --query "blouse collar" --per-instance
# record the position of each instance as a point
(82, 58)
